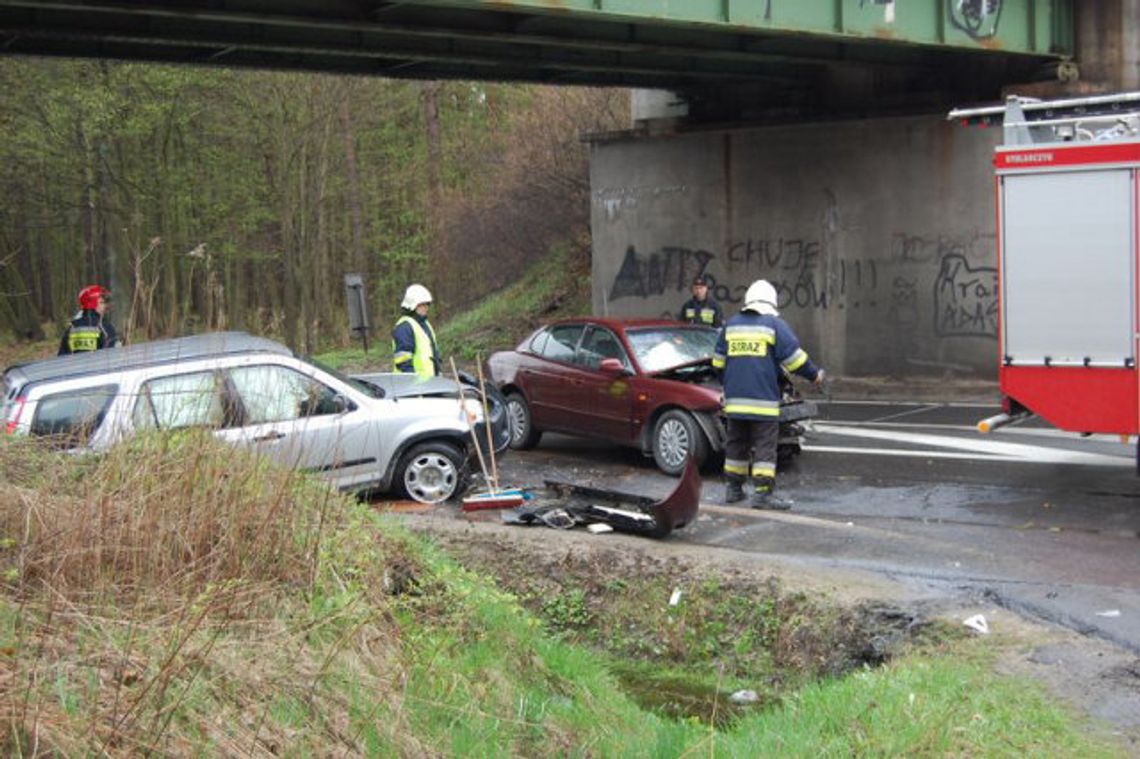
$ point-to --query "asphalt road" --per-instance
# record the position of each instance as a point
(1038, 521)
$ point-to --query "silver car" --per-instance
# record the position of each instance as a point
(395, 433)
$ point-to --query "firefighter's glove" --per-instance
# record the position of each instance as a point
(823, 383)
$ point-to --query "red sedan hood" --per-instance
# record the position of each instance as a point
(700, 383)
(679, 367)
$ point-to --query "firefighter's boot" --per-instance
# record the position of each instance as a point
(764, 497)
(733, 491)
(770, 501)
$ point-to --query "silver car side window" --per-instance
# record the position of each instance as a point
(70, 417)
(181, 400)
(277, 394)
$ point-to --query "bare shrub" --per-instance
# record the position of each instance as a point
(167, 597)
(535, 192)
(171, 513)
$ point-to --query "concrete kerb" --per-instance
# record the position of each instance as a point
(921, 389)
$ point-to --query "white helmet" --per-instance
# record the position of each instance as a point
(761, 298)
(414, 296)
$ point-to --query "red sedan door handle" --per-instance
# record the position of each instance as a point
(269, 437)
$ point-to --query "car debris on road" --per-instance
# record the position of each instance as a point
(567, 505)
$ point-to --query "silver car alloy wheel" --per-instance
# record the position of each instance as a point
(517, 419)
(431, 477)
(673, 442)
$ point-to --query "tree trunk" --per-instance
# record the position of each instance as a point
(322, 264)
(356, 214)
(429, 99)
(87, 202)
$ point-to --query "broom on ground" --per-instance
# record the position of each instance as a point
(493, 499)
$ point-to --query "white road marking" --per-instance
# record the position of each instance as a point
(900, 414)
(1012, 430)
(921, 454)
(981, 450)
(924, 404)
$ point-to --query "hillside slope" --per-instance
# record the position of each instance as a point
(557, 286)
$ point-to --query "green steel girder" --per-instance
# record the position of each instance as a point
(1011, 26)
(823, 51)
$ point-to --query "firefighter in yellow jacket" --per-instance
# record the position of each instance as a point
(413, 339)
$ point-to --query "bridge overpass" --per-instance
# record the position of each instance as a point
(814, 54)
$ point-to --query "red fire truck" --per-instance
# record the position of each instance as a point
(1067, 191)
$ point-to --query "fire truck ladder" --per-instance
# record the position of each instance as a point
(1029, 121)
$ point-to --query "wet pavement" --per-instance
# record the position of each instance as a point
(1041, 522)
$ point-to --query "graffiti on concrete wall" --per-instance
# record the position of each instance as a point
(902, 310)
(669, 269)
(614, 200)
(965, 299)
(916, 248)
(964, 295)
(792, 265)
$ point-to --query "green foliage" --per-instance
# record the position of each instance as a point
(919, 706)
(555, 287)
(552, 288)
(215, 199)
(567, 611)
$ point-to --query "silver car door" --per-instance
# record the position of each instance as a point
(304, 423)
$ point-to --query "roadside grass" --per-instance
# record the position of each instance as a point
(922, 705)
(555, 287)
(180, 597)
(558, 286)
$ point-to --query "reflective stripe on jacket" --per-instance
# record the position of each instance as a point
(413, 347)
(751, 352)
(81, 339)
(706, 312)
(88, 331)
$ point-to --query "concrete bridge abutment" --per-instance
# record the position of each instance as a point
(879, 233)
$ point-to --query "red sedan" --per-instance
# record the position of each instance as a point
(644, 383)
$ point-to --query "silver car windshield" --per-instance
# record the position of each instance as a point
(661, 348)
(367, 388)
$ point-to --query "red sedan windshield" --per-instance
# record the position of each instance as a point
(661, 348)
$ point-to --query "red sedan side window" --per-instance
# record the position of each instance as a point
(600, 343)
(539, 342)
(563, 342)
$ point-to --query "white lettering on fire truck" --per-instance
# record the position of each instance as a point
(1029, 158)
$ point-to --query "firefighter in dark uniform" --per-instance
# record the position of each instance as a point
(413, 339)
(90, 329)
(702, 308)
(754, 349)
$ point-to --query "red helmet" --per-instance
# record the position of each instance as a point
(89, 296)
